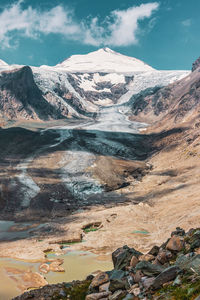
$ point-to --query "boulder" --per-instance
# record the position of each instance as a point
(118, 280)
(146, 257)
(122, 257)
(99, 279)
(175, 244)
(135, 291)
(148, 268)
(179, 231)
(163, 256)
(134, 261)
(117, 284)
(166, 276)
(118, 295)
(189, 263)
(116, 274)
(147, 282)
(104, 287)
(97, 296)
(154, 251)
(137, 276)
(195, 240)
(90, 277)
(177, 281)
(130, 297)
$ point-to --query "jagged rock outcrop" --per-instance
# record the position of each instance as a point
(196, 64)
(174, 104)
(21, 98)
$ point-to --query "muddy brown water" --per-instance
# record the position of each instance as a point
(77, 264)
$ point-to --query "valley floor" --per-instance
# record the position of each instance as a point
(137, 203)
(167, 197)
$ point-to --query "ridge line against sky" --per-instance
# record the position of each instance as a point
(129, 27)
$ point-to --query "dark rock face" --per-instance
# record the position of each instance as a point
(166, 276)
(196, 64)
(34, 97)
(122, 257)
(21, 98)
(113, 91)
(154, 250)
(179, 231)
(148, 268)
(189, 263)
(170, 104)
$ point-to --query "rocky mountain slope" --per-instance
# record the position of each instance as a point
(74, 89)
(20, 97)
(175, 104)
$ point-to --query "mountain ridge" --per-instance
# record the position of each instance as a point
(83, 94)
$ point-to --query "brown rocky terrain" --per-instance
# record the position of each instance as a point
(169, 271)
(174, 105)
(21, 98)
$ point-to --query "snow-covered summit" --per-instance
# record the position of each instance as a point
(103, 60)
(3, 63)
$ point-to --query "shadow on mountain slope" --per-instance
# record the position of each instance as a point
(47, 174)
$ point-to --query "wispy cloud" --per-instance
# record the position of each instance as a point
(120, 28)
(187, 23)
(16, 21)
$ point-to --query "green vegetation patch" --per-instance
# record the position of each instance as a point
(86, 230)
(140, 231)
(92, 227)
(187, 291)
(76, 291)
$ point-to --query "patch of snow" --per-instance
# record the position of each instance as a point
(75, 175)
(47, 82)
(3, 63)
(28, 188)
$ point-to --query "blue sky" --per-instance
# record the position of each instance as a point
(165, 33)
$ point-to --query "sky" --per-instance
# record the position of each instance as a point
(165, 34)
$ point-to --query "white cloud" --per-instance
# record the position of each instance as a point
(118, 29)
(187, 22)
(15, 21)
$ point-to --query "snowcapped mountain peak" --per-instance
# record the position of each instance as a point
(103, 60)
(106, 49)
(3, 63)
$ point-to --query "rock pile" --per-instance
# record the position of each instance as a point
(171, 271)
